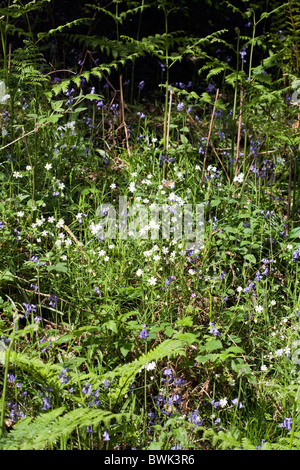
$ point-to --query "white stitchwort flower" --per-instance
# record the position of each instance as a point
(280, 160)
(239, 178)
(132, 187)
(139, 272)
(60, 223)
(152, 281)
(68, 242)
(39, 222)
(223, 402)
(211, 168)
(149, 366)
(48, 166)
(259, 308)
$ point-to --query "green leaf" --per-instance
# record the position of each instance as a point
(189, 338)
(215, 202)
(54, 118)
(250, 258)
(126, 347)
(294, 233)
(6, 276)
(211, 345)
(111, 325)
(183, 139)
(91, 96)
(59, 267)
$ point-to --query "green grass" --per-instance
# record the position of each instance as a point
(218, 367)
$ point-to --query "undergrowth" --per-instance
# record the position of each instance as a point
(140, 342)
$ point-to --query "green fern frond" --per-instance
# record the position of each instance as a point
(127, 372)
(24, 66)
(44, 373)
(60, 28)
(16, 10)
(225, 440)
(122, 16)
(284, 443)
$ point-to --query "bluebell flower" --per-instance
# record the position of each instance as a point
(87, 389)
(64, 378)
(35, 260)
(100, 104)
(11, 378)
(210, 88)
(106, 384)
(287, 424)
(144, 333)
(195, 418)
(160, 400)
(46, 402)
(152, 417)
(296, 255)
(169, 280)
(243, 53)
(176, 399)
(215, 403)
(169, 374)
(214, 330)
(178, 382)
(235, 402)
(52, 301)
(106, 436)
(261, 444)
(29, 308)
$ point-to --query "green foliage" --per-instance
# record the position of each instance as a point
(55, 426)
(141, 337)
